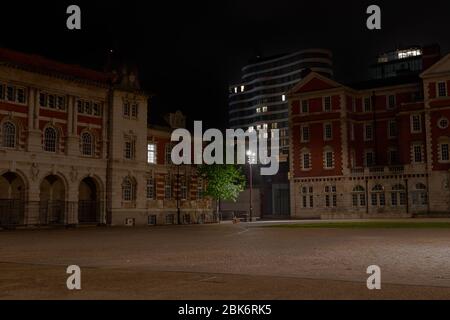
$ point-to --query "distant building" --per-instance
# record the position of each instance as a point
(259, 101)
(75, 148)
(404, 62)
(376, 149)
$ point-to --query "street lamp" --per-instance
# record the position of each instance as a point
(251, 160)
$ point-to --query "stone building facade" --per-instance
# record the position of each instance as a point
(378, 149)
(75, 148)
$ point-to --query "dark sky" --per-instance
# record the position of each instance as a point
(189, 51)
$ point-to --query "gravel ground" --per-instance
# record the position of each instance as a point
(225, 261)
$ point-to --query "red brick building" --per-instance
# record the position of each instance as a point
(377, 149)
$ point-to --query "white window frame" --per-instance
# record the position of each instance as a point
(324, 102)
(325, 125)
(445, 88)
(413, 116)
(366, 138)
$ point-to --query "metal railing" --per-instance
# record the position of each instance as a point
(12, 212)
(88, 212)
(52, 212)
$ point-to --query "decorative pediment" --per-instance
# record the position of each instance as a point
(442, 67)
(313, 82)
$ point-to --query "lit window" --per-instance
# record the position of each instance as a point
(9, 135)
(283, 97)
(151, 153)
(242, 88)
(258, 110)
(264, 109)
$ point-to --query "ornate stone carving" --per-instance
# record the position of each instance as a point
(73, 174)
(34, 171)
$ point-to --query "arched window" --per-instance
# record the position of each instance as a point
(87, 144)
(377, 196)
(128, 190)
(398, 195)
(358, 196)
(420, 195)
(9, 135)
(50, 139)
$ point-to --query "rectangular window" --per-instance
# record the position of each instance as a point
(393, 156)
(126, 109)
(391, 101)
(328, 131)
(355, 200)
(352, 131)
(87, 107)
(60, 103)
(374, 199)
(304, 202)
(368, 132)
(442, 89)
(151, 153)
(305, 134)
(305, 106)
(21, 96)
(367, 104)
(80, 106)
(129, 150)
(168, 153)
(170, 218)
(167, 187)
(51, 101)
(392, 129)
(152, 220)
(329, 159)
(416, 124)
(183, 189)
(327, 104)
(370, 161)
(200, 188)
(417, 153)
(394, 199)
(334, 200)
(2, 91)
(445, 156)
(150, 188)
(327, 200)
(307, 160)
(10, 93)
(134, 110)
(362, 200)
(42, 99)
(96, 109)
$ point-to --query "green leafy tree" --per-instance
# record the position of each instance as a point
(225, 181)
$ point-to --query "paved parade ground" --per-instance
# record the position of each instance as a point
(225, 261)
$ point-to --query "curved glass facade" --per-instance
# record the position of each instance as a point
(259, 99)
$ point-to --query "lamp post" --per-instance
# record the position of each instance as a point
(251, 159)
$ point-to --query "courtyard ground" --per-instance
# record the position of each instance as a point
(226, 261)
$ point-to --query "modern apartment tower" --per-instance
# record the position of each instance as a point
(259, 101)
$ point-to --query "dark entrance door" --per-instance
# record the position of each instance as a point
(12, 189)
(88, 204)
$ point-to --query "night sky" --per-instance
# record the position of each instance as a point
(189, 51)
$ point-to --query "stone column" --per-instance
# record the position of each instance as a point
(34, 141)
(73, 143)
